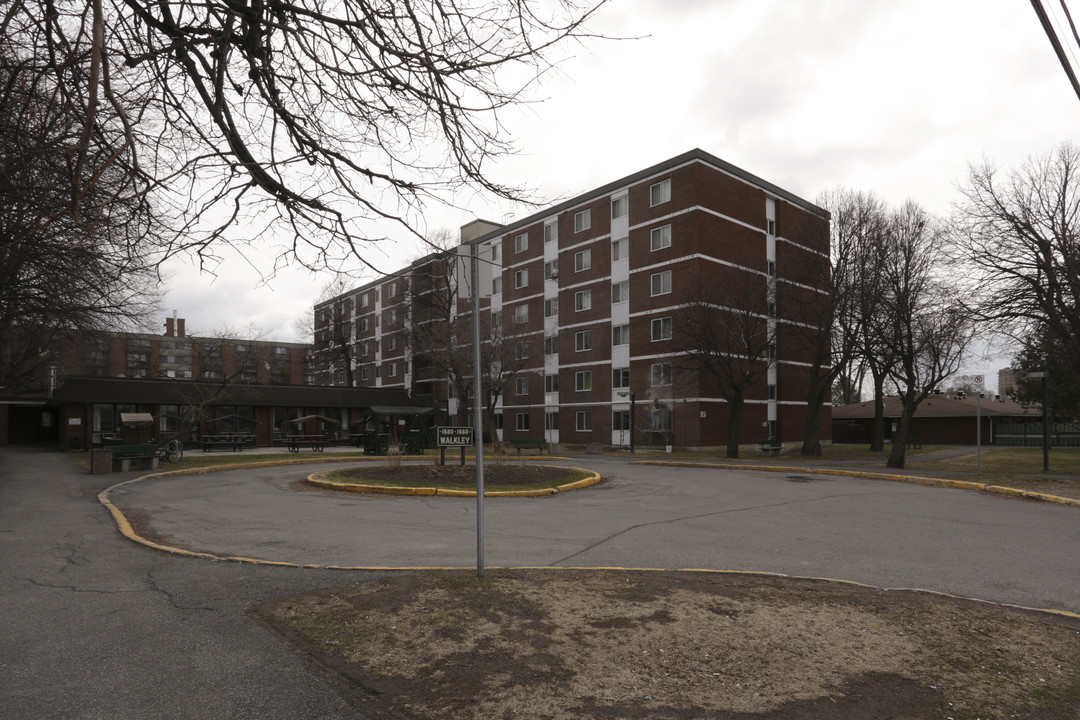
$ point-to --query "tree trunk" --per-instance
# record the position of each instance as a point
(811, 446)
(734, 416)
(877, 429)
(899, 439)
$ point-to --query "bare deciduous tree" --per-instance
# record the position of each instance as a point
(721, 332)
(70, 266)
(440, 337)
(303, 117)
(924, 326)
(1018, 235)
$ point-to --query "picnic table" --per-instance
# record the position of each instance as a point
(234, 441)
(315, 442)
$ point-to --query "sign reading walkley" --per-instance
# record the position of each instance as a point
(455, 436)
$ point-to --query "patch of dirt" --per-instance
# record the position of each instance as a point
(494, 474)
(140, 523)
(620, 644)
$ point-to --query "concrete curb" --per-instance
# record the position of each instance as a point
(914, 479)
(320, 480)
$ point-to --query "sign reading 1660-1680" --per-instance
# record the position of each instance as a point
(455, 436)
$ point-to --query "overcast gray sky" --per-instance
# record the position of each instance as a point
(894, 98)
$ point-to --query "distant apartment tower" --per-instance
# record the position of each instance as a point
(590, 297)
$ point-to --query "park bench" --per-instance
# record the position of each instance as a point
(527, 443)
(122, 455)
(914, 442)
(771, 446)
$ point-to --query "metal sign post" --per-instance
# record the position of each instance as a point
(478, 407)
(978, 424)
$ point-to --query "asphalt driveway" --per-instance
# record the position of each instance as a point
(886, 534)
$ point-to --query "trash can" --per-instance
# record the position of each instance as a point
(100, 461)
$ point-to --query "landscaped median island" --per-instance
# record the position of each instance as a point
(500, 479)
(604, 644)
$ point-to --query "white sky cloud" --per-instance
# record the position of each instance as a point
(893, 98)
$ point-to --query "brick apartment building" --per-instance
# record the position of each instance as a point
(594, 294)
(112, 372)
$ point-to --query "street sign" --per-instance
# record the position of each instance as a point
(454, 436)
(979, 381)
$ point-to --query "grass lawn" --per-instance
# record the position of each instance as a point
(1016, 461)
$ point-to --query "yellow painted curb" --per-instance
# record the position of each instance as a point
(319, 479)
(914, 479)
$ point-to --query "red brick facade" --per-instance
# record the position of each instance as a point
(621, 259)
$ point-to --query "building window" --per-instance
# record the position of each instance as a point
(363, 324)
(660, 192)
(661, 374)
(496, 318)
(521, 278)
(551, 383)
(582, 220)
(364, 300)
(521, 350)
(661, 283)
(583, 340)
(551, 345)
(582, 260)
(391, 290)
(770, 268)
(583, 300)
(772, 392)
(523, 421)
(620, 420)
(584, 420)
(620, 335)
(551, 420)
(496, 251)
(551, 270)
(551, 232)
(770, 226)
(583, 380)
(521, 314)
(620, 292)
(363, 349)
(391, 342)
(620, 377)
(521, 385)
(619, 249)
(619, 206)
(281, 351)
(551, 307)
(521, 242)
(661, 329)
(496, 284)
(391, 369)
(378, 368)
(392, 317)
(660, 237)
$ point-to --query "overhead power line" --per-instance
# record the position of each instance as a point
(1052, 35)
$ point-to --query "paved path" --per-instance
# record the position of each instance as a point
(95, 626)
(887, 534)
